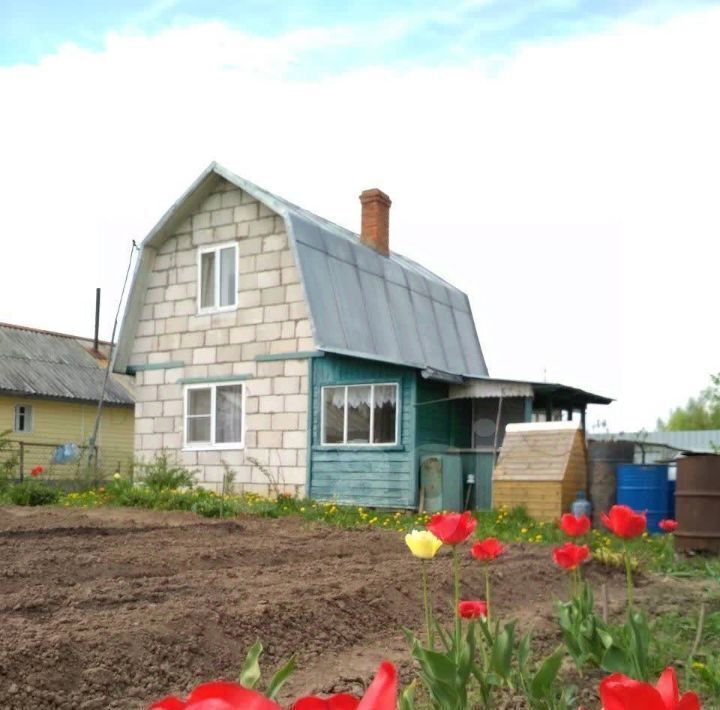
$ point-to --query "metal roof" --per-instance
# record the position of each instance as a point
(558, 394)
(361, 303)
(698, 441)
(43, 364)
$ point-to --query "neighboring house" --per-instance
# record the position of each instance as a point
(307, 358)
(50, 385)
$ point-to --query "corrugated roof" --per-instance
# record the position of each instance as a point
(361, 303)
(44, 364)
(697, 441)
(385, 308)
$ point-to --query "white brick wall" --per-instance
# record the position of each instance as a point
(271, 318)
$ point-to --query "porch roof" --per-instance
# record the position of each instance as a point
(544, 393)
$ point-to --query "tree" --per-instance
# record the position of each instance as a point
(701, 412)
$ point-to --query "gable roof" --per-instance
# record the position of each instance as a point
(361, 303)
(39, 363)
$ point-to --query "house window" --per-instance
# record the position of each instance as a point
(23, 418)
(360, 415)
(217, 277)
(214, 416)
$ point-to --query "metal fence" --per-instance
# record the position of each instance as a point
(20, 457)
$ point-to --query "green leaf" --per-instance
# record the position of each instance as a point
(501, 655)
(438, 665)
(488, 635)
(438, 673)
(524, 652)
(444, 637)
(250, 673)
(616, 660)
(407, 698)
(466, 658)
(280, 677)
(640, 640)
(605, 637)
(545, 677)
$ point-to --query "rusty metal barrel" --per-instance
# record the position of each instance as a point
(697, 503)
(603, 459)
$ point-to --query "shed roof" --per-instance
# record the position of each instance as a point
(540, 451)
(361, 303)
(553, 393)
(40, 363)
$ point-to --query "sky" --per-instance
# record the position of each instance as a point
(557, 160)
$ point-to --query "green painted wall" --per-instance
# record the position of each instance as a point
(389, 476)
(372, 476)
(433, 414)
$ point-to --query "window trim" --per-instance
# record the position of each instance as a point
(15, 418)
(360, 445)
(211, 445)
(217, 248)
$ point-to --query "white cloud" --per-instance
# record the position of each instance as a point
(571, 188)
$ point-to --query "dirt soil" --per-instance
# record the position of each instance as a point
(114, 608)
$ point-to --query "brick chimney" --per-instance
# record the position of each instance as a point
(375, 223)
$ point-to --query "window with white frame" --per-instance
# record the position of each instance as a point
(364, 415)
(214, 416)
(23, 418)
(217, 277)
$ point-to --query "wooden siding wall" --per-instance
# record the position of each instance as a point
(60, 422)
(433, 414)
(383, 476)
(441, 421)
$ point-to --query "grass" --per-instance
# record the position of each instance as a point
(653, 552)
(673, 635)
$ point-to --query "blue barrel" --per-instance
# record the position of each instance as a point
(645, 489)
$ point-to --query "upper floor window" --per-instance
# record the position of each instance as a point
(214, 416)
(217, 277)
(360, 415)
(23, 418)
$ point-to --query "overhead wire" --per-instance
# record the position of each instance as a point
(92, 447)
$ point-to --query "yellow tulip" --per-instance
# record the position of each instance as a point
(423, 544)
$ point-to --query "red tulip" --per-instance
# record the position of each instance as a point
(218, 695)
(36, 471)
(342, 701)
(575, 527)
(618, 692)
(472, 610)
(569, 556)
(624, 522)
(221, 695)
(487, 550)
(668, 525)
(380, 695)
(452, 528)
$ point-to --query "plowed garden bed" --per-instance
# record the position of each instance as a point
(112, 608)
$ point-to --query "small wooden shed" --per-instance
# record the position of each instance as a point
(541, 467)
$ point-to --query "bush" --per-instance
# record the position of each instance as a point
(162, 475)
(8, 461)
(34, 493)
